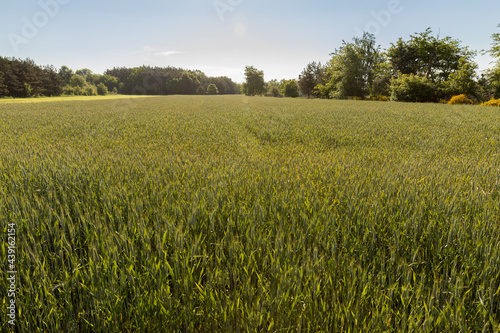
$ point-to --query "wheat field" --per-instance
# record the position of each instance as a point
(237, 214)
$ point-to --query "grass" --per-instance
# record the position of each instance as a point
(251, 214)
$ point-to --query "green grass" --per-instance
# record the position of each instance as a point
(185, 214)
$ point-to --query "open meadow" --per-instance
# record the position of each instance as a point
(231, 213)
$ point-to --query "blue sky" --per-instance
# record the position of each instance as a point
(221, 37)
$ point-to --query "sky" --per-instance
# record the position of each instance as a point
(221, 37)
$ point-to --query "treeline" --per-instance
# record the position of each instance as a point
(24, 78)
(423, 68)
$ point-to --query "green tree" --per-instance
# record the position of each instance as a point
(52, 82)
(111, 82)
(495, 45)
(273, 88)
(308, 80)
(313, 75)
(255, 84)
(84, 72)
(351, 70)
(493, 75)
(188, 84)
(463, 81)
(292, 89)
(3, 87)
(102, 89)
(77, 81)
(65, 74)
(212, 89)
(428, 56)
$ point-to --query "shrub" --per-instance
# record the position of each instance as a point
(68, 90)
(90, 91)
(102, 89)
(382, 98)
(412, 88)
(460, 99)
(492, 102)
(292, 89)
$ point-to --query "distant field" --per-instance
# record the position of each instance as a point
(66, 99)
(186, 214)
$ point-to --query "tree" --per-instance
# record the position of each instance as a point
(52, 82)
(255, 84)
(310, 78)
(212, 89)
(495, 45)
(65, 74)
(111, 82)
(493, 75)
(188, 84)
(351, 70)
(292, 89)
(77, 81)
(307, 80)
(463, 81)
(3, 88)
(102, 89)
(273, 88)
(428, 56)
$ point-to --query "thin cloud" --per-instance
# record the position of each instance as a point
(167, 53)
(149, 51)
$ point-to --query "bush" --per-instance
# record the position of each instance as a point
(292, 89)
(275, 92)
(382, 98)
(460, 99)
(102, 89)
(492, 102)
(412, 88)
(68, 90)
(90, 91)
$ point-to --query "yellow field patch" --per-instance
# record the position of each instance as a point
(68, 98)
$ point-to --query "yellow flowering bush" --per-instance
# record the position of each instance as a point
(460, 99)
(492, 102)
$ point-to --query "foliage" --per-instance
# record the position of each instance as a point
(23, 78)
(291, 89)
(255, 84)
(102, 90)
(412, 88)
(65, 74)
(428, 56)
(492, 102)
(311, 77)
(282, 215)
(77, 81)
(351, 70)
(463, 81)
(212, 89)
(381, 98)
(273, 88)
(460, 99)
(495, 45)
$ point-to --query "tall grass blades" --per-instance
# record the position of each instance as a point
(229, 214)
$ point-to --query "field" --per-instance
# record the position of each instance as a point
(220, 214)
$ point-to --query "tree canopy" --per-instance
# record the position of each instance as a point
(255, 84)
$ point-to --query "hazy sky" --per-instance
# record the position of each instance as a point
(221, 37)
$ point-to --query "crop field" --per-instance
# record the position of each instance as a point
(237, 214)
